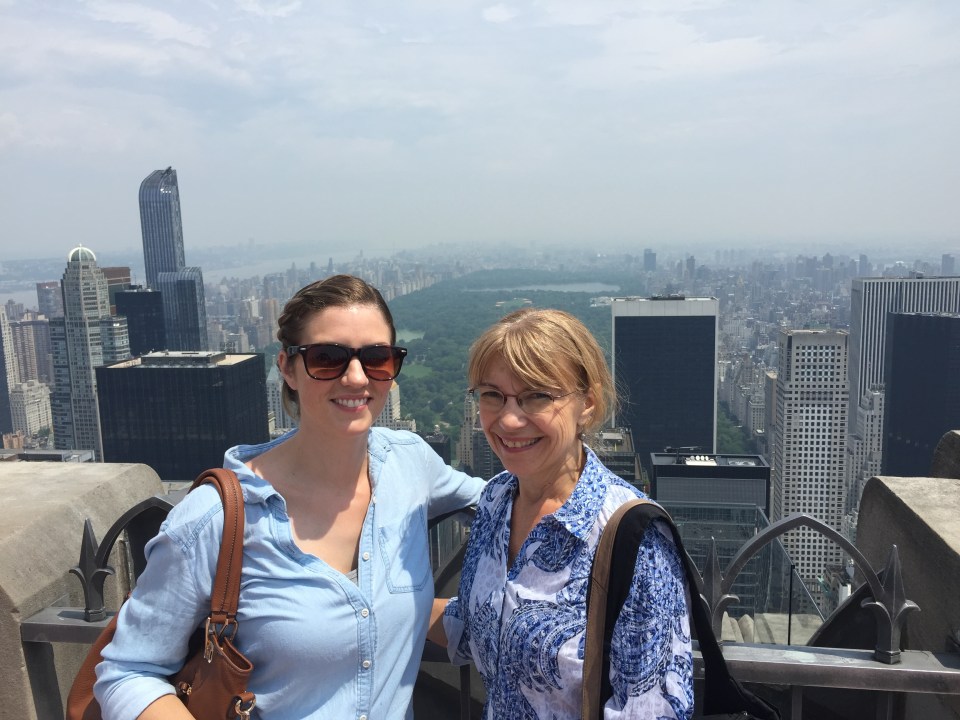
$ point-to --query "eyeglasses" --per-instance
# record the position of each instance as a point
(328, 361)
(530, 401)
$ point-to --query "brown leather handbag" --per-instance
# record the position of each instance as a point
(213, 681)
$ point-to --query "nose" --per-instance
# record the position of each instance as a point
(354, 374)
(511, 416)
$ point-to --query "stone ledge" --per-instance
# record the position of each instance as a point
(919, 516)
(45, 505)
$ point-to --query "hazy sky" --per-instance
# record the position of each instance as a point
(371, 124)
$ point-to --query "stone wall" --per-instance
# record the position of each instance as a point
(44, 508)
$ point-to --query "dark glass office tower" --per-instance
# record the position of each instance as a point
(665, 362)
(144, 312)
(184, 309)
(178, 411)
(922, 359)
(160, 224)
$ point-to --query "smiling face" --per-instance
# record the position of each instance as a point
(542, 448)
(350, 404)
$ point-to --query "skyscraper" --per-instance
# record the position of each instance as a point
(184, 309)
(178, 411)
(144, 312)
(922, 389)
(160, 224)
(665, 358)
(871, 299)
(85, 337)
(809, 444)
(184, 304)
(9, 373)
(50, 298)
(871, 302)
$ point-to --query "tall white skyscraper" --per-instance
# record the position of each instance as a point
(84, 338)
(809, 444)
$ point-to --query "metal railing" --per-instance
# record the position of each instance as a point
(788, 670)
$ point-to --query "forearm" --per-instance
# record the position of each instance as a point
(167, 707)
(435, 631)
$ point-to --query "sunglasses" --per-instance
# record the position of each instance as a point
(530, 401)
(328, 361)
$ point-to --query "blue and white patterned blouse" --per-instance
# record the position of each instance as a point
(523, 627)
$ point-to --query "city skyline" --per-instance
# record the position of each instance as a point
(383, 128)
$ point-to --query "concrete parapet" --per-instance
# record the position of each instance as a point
(45, 505)
(919, 516)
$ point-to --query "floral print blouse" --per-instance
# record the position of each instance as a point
(523, 625)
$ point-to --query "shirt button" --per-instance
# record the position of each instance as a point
(364, 612)
(362, 717)
(366, 556)
(366, 664)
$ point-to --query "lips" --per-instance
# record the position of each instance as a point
(518, 443)
(352, 403)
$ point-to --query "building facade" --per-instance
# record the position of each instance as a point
(184, 309)
(160, 224)
(50, 298)
(665, 358)
(77, 341)
(9, 372)
(144, 312)
(30, 408)
(809, 445)
(922, 389)
(179, 411)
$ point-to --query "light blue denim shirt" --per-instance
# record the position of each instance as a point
(321, 646)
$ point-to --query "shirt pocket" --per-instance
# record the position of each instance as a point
(403, 546)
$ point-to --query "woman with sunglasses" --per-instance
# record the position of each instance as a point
(337, 590)
(542, 386)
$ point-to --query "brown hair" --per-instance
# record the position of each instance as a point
(335, 291)
(548, 348)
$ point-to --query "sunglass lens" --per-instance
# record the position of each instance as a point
(326, 362)
(380, 362)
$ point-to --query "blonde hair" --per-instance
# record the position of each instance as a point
(548, 348)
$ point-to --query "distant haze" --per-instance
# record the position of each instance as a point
(382, 126)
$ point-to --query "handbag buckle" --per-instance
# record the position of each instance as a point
(243, 707)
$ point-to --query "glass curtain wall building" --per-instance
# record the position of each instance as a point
(665, 358)
(179, 411)
(160, 224)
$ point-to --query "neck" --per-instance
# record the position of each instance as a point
(554, 490)
(308, 458)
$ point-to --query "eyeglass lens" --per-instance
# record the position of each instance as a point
(328, 362)
(530, 401)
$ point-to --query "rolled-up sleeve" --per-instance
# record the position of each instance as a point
(171, 599)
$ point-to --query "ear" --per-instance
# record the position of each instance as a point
(286, 366)
(589, 407)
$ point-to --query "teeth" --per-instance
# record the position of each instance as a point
(352, 403)
(517, 443)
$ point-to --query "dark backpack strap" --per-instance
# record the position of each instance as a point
(722, 692)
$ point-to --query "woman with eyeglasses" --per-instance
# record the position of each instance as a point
(542, 387)
(336, 588)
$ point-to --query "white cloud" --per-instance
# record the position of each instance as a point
(155, 24)
(499, 13)
(264, 8)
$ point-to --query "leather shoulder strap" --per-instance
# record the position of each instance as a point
(226, 584)
(594, 650)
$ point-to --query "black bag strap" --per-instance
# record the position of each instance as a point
(722, 692)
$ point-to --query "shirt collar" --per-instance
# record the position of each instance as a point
(579, 513)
